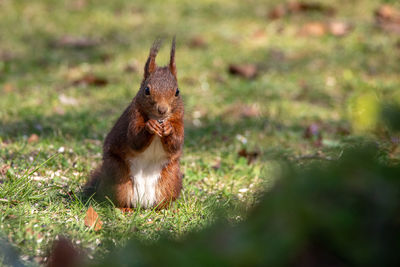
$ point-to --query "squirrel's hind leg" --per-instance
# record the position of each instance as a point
(169, 185)
(115, 182)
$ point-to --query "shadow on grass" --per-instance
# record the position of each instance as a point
(84, 124)
(215, 133)
(71, 126)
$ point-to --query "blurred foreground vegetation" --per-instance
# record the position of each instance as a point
(344, 213)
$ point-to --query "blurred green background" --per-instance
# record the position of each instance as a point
(262, 81)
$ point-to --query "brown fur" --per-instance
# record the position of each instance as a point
(135, 130)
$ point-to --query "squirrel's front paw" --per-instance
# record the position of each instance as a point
(167, 129)
(154, 127)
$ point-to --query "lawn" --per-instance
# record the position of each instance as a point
(69, 68)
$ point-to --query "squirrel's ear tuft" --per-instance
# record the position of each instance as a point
(172, 65)
(151, 60)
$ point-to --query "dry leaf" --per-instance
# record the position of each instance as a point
(248, 71)
(297, 7)
(251, 156)
(75, 42)
(388, 13)
(388, 18)
(8, 87)
(91, 79)
(33, 138)
(4, 169)
(78, 4)
(198, 42)
(313, 29)
(59, 110)
(338, 28)
(278, 12)
(67, 100)
(259, 34)
(250, 111)
(92, 219)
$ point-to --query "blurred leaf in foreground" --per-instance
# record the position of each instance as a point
(364, 112)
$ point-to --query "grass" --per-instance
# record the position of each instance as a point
(303, 81)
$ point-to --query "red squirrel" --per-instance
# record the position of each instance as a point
(141, 153)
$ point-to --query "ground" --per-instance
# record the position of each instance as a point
(69, 68)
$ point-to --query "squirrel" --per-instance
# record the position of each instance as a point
(141, 153)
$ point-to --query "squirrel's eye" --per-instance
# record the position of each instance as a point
(177, 92)
(147, 90)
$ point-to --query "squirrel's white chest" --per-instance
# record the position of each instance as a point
(145, 169)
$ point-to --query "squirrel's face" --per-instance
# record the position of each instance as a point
(159, 94)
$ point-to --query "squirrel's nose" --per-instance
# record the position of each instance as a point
(162, 109)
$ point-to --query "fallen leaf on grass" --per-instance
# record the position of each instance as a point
(259, 34)
(91, 79)
(78, 4)
(33, 138)
(4, 169)
(278, 12)
(59, 110)
(251, 156)
(336, 28)
(388, 13)
(67, 100)
(250, 111)
(388, 18)
(248, 71)
(8, 87)
(92, 219)
(297, 7)
(76, 42)
(198, 42)
(339, 28)
(313, 29)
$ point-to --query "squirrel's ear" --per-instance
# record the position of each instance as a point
(151, 60)
(172, 65)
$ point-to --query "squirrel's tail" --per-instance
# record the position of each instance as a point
(90, 188)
